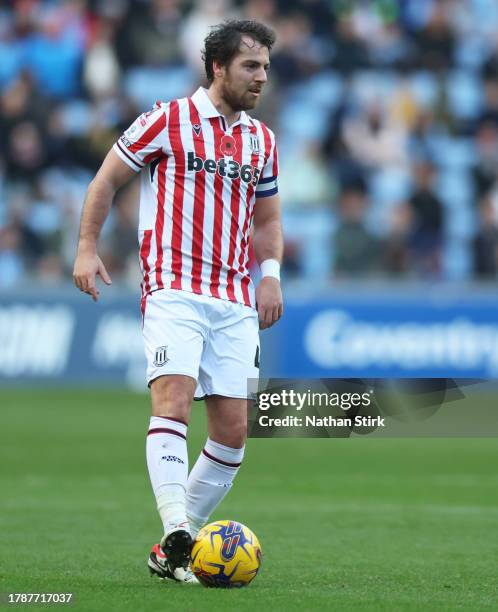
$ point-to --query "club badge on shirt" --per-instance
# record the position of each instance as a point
(254, 143)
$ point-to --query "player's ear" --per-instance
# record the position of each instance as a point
(218, 69)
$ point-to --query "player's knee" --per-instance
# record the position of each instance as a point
(172, 397)
(236, 436)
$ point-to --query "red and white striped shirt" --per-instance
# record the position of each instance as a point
(199, 183)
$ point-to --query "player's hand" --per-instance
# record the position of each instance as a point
(269, 302)
(86, 269)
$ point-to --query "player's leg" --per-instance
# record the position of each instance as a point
(213, 474)
(166, 447)
(167, 461)
(174, 337)
(228, 361)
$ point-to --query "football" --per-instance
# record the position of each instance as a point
(226, 554)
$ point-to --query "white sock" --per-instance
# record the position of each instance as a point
(210, 480)
(167, 461)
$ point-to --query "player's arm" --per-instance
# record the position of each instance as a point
(113, 174)
(268, 244)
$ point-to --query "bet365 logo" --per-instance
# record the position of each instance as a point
(229, 168)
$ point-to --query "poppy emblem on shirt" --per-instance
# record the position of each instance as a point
(227, 145)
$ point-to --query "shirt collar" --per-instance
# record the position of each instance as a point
(207, 109)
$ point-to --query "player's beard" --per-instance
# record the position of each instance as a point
(238, 101)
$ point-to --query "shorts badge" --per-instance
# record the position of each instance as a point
(161, 356)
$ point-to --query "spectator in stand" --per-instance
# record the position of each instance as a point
(121, 245)
(435, 41)
(54, 50)
(150, 36)
(11, 260)
(485, 171)
(350, 52)
(486, 242)
(26, 152)
(19, 102)
(427, 209)
(304, 180)
(356, 249)
(196, 26)
(396, 248)
(294, 58)
(374, 140)
(101, 71)
(489, 112)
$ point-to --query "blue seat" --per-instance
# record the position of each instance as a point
(146, 85)
(464, 91)
(424, 88)
(453, 153)
(457, 262)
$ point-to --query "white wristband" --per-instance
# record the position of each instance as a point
(270, 267)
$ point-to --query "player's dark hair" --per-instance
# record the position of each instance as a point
(223, 42)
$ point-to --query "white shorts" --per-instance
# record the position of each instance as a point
(214, 341)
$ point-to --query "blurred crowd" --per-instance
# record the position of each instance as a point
(386, 113)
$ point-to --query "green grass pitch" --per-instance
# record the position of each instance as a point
(358, 524)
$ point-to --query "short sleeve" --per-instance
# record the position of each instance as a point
(267, 184)
(143, 140)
